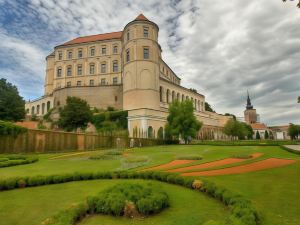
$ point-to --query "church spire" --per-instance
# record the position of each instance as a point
(248, 106)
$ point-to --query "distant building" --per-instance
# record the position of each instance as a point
(280, 132)
(250, 113)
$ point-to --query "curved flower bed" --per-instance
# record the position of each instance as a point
(242, 211)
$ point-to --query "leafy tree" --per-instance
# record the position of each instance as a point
(238, 129)
(250, 131)
(76, 113)
(298, 99)
(294, 131)
(12, 105)
(208, 107)
(266, 134)
(298, 5)
(257, 136)
(181, 121)
(229, 114)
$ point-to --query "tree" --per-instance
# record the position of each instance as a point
(229, 114)
(250, 131)
(238, 129)
(208, 107)
(257, 136)
(266, 134)
(181, 121)
(298, 5)
(294, 131)
(76, 113)
(12, 105)
(298, 99)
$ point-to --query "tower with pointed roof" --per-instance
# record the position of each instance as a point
(250, 112)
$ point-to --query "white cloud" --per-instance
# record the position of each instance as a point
(221, 48)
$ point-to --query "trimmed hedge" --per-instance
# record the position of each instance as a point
(245, 143)
(15, 160)
(243, 213)
(8, 128)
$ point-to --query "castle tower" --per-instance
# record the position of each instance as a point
(250, 112)
(140, 58)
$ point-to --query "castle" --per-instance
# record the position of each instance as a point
(123, 70)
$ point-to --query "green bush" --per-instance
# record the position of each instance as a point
(113, 200)
(8, 128)
(189, 157)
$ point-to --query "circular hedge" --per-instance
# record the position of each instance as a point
(129, 199)
(14, 160)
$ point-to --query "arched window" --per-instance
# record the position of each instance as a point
(150, 132)
(161, 93)
(199, 105)
(160, 133)
(178, 97)
(27, 111)
(48, 106)
(168, 94)
(173, 96)
(38, 109)
(59, 72)
(32, 110)
(182, 98)
(43, 108)
(187, 97)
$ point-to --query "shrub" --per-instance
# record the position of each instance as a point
(189, 157)
(21, 183)
(197, 184)
(8, 128)
(14, 160)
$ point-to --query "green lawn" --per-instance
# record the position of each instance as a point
(274, 192)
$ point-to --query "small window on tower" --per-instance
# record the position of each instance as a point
(127, 55)
(146, 32)
(146, 53)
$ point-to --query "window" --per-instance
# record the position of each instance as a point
(69, 71)
(69, 84)
(115, 66)
(58, 72)
(69, 55)
(115, 49)
(103, 67)
(92, 52)
(146, 32)
(116, 98)
(79, 70)
(146, 53)
(103, 81)
(80, 53)
(127, 55)
(128, 35)
(92, 69)
(103, 50)
(91, 82)
(79, 83)
(115, 80)
(59, 55)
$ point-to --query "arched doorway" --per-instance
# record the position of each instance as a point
(150, 132)
(160, 133)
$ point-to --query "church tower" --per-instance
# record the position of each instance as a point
(140, 58)
(250, 112)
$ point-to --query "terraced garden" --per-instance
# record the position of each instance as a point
(272, 188)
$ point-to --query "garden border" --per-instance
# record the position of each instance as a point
(241, 208)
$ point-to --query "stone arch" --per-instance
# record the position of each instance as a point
(182, 98)
(32, 110)
(48, 106)
(173, 96)
(38, 109)
(150, 132)
(178, 97)
(168, 95)
(43, 108)
(160, 133)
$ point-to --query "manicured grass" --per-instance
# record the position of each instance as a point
(33, 205)
(274, 192)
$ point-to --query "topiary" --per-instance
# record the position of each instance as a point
(197, 184)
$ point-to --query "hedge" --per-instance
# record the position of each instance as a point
(15, 160)
(8, 128)
(245, 143)
(241, 208)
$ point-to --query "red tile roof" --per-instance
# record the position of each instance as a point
(258, 126)
(141, 17)
(97, 37)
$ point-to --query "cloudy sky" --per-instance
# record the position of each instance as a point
(220, 48)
